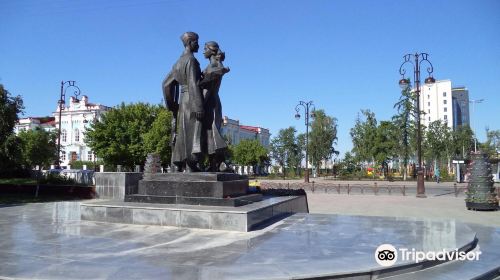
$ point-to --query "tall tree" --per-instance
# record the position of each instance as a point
(10, 107)
(363, 136)
(404, 121)
(300, 154)
(463, 141)
(124, 134)
(10, 154)
(322, 138)
(385, 146)
(285, 150)
(492, 144)
(38, 147)
(438, 143)
(159, 135)
(250, 152)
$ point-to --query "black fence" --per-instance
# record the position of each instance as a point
(374, 188)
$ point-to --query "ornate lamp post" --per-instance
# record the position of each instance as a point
(306, 106)
(404, 83)
(61, 102)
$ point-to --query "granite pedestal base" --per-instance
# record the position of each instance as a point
(243, 218)
(203, 188)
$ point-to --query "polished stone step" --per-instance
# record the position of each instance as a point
(196, 176)
(212, 201)
(216, 189)
(243, 218)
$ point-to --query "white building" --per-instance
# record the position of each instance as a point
(235, 132)
(436, 103)
(75, 118)
(45, 123)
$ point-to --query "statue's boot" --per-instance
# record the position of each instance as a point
(192, 164)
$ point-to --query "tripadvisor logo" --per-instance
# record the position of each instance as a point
(387, 255)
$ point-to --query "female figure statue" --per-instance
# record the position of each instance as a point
(215, 145)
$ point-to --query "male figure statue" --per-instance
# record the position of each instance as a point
(186, 108)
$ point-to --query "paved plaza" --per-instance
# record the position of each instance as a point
(338, 237)
(442, 207)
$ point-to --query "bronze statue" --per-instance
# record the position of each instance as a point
(215, 145)
(186, 108)
(193, 98)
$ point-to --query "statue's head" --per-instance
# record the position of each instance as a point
(211, 48)
(190, 39)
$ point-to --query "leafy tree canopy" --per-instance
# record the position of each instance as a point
(492, 144)
(286, 148)
(10, 107)
(127, 133)
(363, 136)
(38, 147)
(323, 137)
(10, 154)
(249, 152)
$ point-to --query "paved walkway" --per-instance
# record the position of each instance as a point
(446, 207)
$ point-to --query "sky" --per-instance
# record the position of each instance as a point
(344, 55)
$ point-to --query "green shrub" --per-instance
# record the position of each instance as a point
(56, 179)
(78, 164)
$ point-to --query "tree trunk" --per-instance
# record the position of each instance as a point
(449, 165)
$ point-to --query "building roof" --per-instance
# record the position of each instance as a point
(250, 128)
(47, 120)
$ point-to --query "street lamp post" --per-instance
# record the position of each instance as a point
(306, 106)
(405, 83)
(474, 102)
(64, 86)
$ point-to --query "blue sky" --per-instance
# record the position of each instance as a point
(343, 55)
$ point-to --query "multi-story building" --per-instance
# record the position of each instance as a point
(80, 113)
(460, 96)
(234, 132)
(45, 123)
(75, 118)
(436, 103)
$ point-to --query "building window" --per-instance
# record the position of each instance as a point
(428, 104)
(429, 118)
(63, 156)
(445, 117)
(445, 109)
(444, 94)
(428, 96)
(429, 111)
(77, 135)
(444, 101)
(64, 135)
(89, 156)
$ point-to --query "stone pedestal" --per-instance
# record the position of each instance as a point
(203, 188)
(116, 185)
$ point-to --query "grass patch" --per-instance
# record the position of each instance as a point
(18, 181)
(23, 198)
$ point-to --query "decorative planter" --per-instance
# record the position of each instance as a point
(480, 191)
(481, 206)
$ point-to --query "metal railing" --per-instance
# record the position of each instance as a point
(375, 188)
